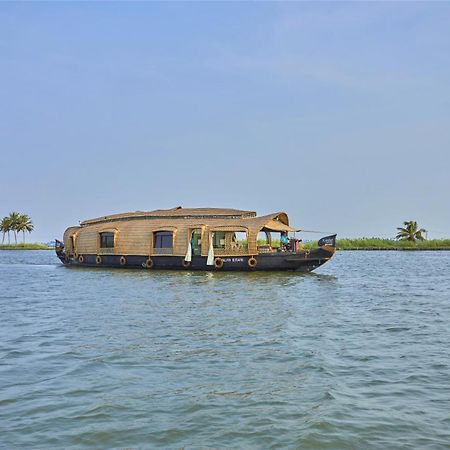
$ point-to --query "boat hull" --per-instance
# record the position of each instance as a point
(303, 261)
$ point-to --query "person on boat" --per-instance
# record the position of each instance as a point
(284, 240)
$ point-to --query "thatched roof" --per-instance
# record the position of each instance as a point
(276, 225)
(214, 218)
(177, 212)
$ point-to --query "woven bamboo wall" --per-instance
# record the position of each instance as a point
(71, 231)
(134, 236)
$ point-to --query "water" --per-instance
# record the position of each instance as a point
(355, 356)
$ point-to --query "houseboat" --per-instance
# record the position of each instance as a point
(191, 239)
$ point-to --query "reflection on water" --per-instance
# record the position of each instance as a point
(355, 355)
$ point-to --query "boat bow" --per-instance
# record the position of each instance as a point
(328, 243)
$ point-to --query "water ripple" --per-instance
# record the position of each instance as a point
(355, 356)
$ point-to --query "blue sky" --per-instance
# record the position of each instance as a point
(338, 113)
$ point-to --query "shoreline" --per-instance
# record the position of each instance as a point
(394, 249)
(338, 249)
(345, 244)
(25, 247)
(374, 243)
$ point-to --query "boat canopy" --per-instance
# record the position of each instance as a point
(276, 225)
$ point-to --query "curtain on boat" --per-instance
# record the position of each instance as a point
(210, 260)
(188, 257)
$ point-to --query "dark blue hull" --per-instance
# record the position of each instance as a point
(304, 261)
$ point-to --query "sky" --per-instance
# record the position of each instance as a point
(336, 112)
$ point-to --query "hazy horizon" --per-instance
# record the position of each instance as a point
(337, 113)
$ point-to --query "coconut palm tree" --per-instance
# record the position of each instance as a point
(25, 224)
(5, 228)
(14, 219)
(410, 232)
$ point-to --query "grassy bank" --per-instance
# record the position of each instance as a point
(341, 244)
(387, 244)
(24, 247)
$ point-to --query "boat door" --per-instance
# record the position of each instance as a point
(196, 241)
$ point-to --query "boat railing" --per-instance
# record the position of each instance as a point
(163, 251)
(107, 251)
(266, 249)
(230, 252)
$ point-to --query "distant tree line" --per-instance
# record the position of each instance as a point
(16, 223)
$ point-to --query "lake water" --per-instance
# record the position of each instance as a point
(354, 356)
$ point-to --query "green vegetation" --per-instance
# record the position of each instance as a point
(386, 244)
(275, 242)
(409, 237)
(27, 246)
(16, 223)
(410, 232)
(374, 243)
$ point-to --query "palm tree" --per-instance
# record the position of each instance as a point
(410, 232)
(5, 228)
(14, 219)
(25, 224)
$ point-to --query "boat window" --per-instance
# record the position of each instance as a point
(163, 239)
(107, 240)
(263, 238)
(238, 240)
(219, 239)
(265, 243)
(274, 239)
(229, 241)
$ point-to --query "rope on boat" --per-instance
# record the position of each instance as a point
(315, 231)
